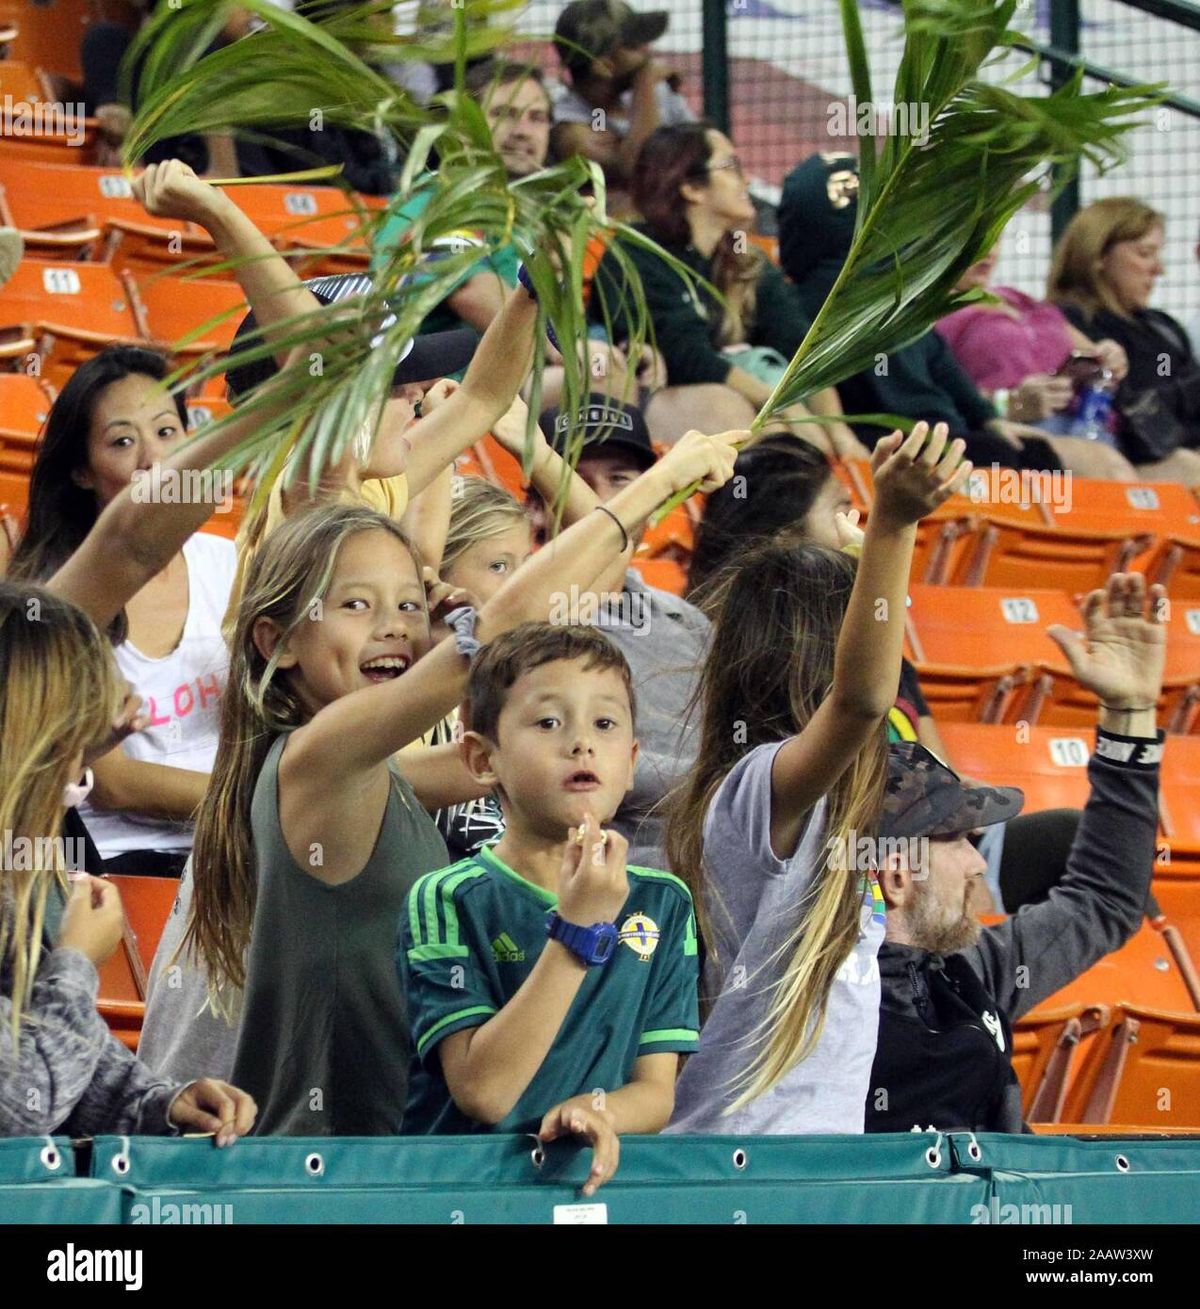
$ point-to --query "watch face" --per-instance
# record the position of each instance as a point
(606, 943)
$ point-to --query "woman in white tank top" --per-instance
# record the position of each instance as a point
(111, 427)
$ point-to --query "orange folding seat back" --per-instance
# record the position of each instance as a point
(49, 32)
(1179, 810)
(74, 310)
(1142, 971)
(169, 309)
(976, 626)
(1049, 765)
(1143, 1071)
(24, 407)
(1177, 566)
(311, 220)
(20, 83)
(1047, 1045)
(148, 902)
(1144, 509)
(1015, 553)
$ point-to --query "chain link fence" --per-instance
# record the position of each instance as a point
(789, 84)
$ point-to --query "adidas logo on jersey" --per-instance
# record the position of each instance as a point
(507, 951)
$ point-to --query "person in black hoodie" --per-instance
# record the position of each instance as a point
(951, 990)
(922, 380)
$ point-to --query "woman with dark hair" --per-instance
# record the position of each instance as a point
(110, 427)
(723, 359)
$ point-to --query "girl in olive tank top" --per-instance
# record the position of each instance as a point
(312, 831)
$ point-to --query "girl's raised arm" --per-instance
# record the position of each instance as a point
(359, 731)
(912, 477)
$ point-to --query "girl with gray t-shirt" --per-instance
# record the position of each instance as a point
(774, 826)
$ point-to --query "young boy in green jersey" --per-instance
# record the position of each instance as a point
(549, 987)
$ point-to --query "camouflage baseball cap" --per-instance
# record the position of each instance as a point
(925, 798)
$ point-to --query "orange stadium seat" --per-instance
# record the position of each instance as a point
(171, 308)
(1048, 764)
(958, 636)
(1141, 508)
(308, 220)
(1144, 1069)
(72, 310)
(1018, 551)
(1179, 808)
(1143, 971)
(1057, 699)
(48, 233)
(1176, 565)
(24, 406)
(1047, 1044)
(148, 902)
(49, 33)
(39, 125)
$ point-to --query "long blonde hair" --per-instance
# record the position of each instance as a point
(776, 617)
(1075, 277)
(289, 575)
(59, 693)
(478, 510)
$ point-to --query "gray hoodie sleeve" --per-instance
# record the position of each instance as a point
(1100, 901)
(67, 1072)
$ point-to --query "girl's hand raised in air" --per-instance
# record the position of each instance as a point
(172, 190)
(915, 474)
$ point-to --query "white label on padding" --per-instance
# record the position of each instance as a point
(1068, 751)
(61, 281)
(580, 1214)
(1018, 609)
(1142, 497)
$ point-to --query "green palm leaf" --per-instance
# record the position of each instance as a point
(322, 65)
(928, 211)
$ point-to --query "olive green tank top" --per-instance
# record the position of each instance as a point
(324, 1042)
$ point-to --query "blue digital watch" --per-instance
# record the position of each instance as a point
(591, 945)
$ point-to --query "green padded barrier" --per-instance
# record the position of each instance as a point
(1067, 1180)
(495, 1179)
(38, 1185)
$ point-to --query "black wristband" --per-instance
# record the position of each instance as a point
(1141, 752)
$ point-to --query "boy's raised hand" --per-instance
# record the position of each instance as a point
(573, 1119)
(1123, 650)
(699, 457)
(914, 474)
(592, 885)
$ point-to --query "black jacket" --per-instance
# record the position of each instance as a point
(944, 1057)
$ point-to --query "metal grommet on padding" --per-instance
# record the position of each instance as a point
(974, 1153)
(537, 1156)
(314, 1165)
(120, 1163)
(740, 1159)
(1122, 1163)
(51, 1156)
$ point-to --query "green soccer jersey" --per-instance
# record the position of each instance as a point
(470, 938)
(442, 318)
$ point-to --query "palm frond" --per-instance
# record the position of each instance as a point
(322, 65)
(928, 210)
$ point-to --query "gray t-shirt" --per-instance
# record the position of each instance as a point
(752, 899)
(182, 1039)
(664, 639)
